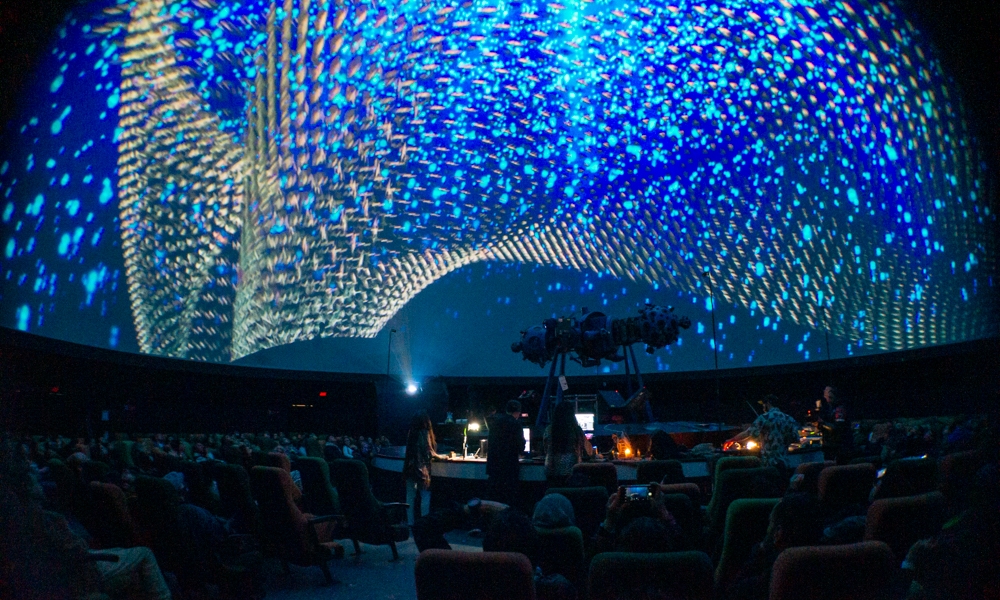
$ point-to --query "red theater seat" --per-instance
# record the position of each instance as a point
(850, 572)
(900, 522)
(615, 575)
(810, 475)
(296, 537)
(453, 575)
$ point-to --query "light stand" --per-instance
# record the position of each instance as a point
(707, 272)
(465, 438)
(388, 353)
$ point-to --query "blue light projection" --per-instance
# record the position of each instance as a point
(259, 174)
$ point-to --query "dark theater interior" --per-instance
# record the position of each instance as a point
(499, 300)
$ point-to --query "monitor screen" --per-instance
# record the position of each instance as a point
(527, 439)
(586, 421)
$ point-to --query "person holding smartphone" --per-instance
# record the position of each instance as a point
(637, 521)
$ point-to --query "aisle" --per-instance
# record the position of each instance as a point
(371, 576)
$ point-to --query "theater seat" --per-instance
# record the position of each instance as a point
(747, 520)
(659, 471)
(734, 462)
(733, 484)
(599, 473)
(899, 522)
(560, 551)
(957, 476)
(691, 490)
(845, 486)
(296, 537)
(810, 475)
(236, 501)
(109, 520)
(688, 517)
(454, 575)
(368, 520)
(861, 571)
(318, 494)
(615, 575)
(907, 477)
(277, 459)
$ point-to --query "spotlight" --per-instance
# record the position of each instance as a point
(412, 389)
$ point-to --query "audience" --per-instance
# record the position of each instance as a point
(53, 472)
(44, 558)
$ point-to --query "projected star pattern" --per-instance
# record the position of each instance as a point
(295, 170)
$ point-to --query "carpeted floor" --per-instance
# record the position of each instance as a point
(371, 576)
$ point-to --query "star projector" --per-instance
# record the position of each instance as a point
(597, 336)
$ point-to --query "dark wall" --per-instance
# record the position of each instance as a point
(49, 385)
(54, 386)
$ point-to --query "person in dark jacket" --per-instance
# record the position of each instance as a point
(506, 442)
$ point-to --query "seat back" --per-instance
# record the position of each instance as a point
(590, 506)
(615, 575)
(810, 475)
(121, 455)
(907, 477)
(199, 486)
(747, 520)
(734, 484)
(734, 462)
(691, 490)
(899, 522)
(235, 497)
(861, 571)
(357, 502)
(277, 459)
(110, 522)
(845, 485)
(314, 448)
(603, 474)
(452, 575)
(157, 518)
(688, 517)
(283, 525)
(319, 497)
(957, 476)
(560, 551)
(659, 471)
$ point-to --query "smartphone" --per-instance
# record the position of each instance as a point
(638, 490)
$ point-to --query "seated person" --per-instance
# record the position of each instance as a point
(960, 562)
(43, 558)
(554, 511)
(794, 522)
(511, 531)
(659, 534)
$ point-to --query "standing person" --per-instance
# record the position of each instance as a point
(832, 419)
(565, 445)
(774, 431)
(506, 442)
(421, 447)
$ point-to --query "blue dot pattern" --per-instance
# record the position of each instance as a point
(224, 178)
